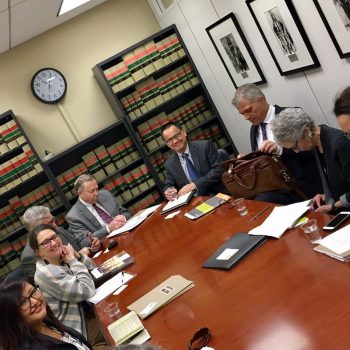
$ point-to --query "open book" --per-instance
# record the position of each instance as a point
(128, 329)
(177, 203)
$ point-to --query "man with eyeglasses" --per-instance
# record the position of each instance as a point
(251, 103)
(194, 166)
(37, 215)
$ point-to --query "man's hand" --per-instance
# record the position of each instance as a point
(171, 193)
(117, 222)
(318, 201)
(269, 147)
(187, 188)
(327, 208)
(95, 244)
(85, 251)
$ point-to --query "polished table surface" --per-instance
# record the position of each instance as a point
(282, 296)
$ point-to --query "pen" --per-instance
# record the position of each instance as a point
(259, 213)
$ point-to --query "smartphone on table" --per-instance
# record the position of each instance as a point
(338, 220)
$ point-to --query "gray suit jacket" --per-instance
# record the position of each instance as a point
(28, 258)
(81, 221)
(206, 163)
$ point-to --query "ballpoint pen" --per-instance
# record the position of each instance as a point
(258, 214)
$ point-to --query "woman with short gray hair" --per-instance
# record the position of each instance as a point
(296, 130)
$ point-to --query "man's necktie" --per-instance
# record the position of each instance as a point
(103, 214)
(190, 168)
(263, 131)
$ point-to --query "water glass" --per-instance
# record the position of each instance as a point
(240, 206)
(113, 311)
(311, 230)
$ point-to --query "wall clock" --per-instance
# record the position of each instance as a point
(49, 85)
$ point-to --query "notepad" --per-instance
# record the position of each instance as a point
(179, 202)
(126, 328)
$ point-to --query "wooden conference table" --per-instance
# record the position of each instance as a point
(282, 296)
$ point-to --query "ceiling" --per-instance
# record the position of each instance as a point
(21, 20)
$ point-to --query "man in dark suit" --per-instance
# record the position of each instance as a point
(96, 211)
(251, 103)
(38, 215)
(194, 166)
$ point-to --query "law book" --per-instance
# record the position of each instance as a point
(111, 267)
(207, 206)
(233, 251)
(128, 329)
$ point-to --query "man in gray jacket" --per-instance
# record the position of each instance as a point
(96, 211)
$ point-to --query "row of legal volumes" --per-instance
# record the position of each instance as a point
(143, 61)
(100, 162)
(152, 93)
(11, 213)
(10, 136)
(19, 168)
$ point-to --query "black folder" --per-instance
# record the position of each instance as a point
(234, 250)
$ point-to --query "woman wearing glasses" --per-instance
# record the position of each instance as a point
(29, 322)
(295, 130)
(64, 278)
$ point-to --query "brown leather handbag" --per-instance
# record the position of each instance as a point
(256, 173)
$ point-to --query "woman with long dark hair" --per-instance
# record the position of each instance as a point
(27, 322)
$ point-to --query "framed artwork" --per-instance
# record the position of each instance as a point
(335, 15)
(234, 52)
(284, 35)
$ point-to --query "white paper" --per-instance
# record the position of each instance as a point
(119, 290)
(339, 241)
(148, 308)
(280, 219)
(171, 215)
(227, 254)
(180, 200)
(97, 254)
(134, 221)
(110, 286)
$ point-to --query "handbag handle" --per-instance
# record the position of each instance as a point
(240, 182)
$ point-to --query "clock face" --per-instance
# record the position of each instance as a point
(49, 85)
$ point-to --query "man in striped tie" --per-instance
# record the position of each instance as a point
(194, 166)
(95, 211)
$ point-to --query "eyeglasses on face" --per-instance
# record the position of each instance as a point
(176, 137)
(48, 242)
(35, 294)
(199, 339)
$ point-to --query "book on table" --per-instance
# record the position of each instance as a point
(178, 203)
(111, 267)
(207, 206)
(233, 251)
(159, 296)
(336, 245)
(128, 329)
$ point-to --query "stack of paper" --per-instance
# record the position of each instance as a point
(128, 329)
(207, 206)
(134, 221)
(336, 245)
(161, 295)
(281, 219)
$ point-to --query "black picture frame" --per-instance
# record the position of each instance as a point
(284, 35)
(336, 18)
(234, 51)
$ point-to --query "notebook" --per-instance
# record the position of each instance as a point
(233, 251)
(177, 203)
(128, 329)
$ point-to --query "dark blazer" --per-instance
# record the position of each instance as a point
(302, 165)
(81, 221)
(336, 153)
(28, 258)
(206, 163)
(56, 343)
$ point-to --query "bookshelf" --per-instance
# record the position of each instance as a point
(153, 82)
(113, 158)
(23, 183)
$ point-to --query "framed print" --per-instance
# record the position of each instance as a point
(284, 35)
(335, 15)
(234, 51)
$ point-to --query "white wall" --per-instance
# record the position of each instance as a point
(73, 48)
(314, 90)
